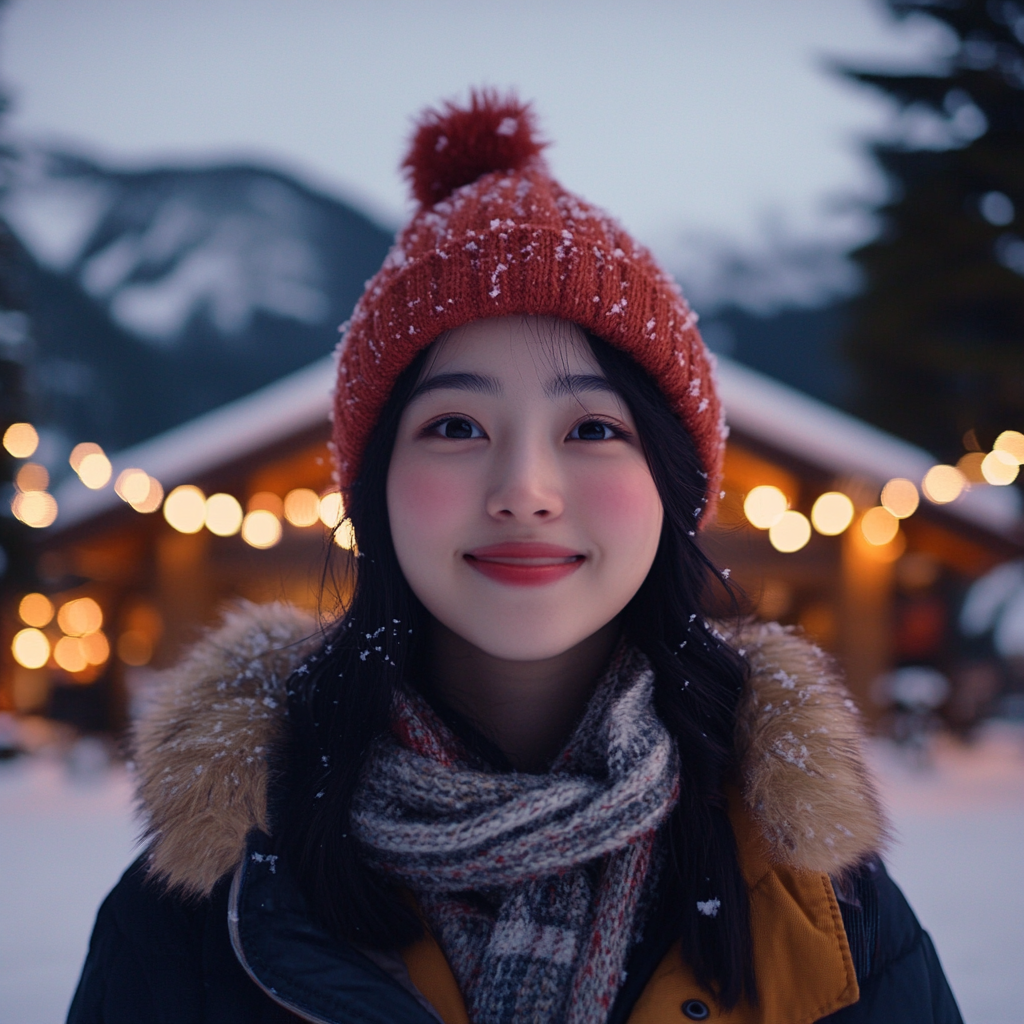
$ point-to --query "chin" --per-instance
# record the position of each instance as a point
(525, 641)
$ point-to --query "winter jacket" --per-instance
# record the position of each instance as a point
(210, 927)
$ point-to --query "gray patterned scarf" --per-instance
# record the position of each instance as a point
(532, 884)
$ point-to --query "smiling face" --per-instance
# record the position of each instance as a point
(522, 509)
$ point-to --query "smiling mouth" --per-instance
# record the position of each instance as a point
(524, 563)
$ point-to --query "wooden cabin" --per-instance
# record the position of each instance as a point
(874, 605)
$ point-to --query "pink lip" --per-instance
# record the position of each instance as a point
(524, 563)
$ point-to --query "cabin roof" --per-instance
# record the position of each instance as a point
(758, 407)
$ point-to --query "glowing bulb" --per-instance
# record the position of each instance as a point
(879, 526)
(301, 507)
(35, 610)
(37, 509)
(790, 532)
(832, 513)
(132, 486)
(134, 648)
(79, 452)
(999, 468)
(185, 509)
(70, 654)
(21, 440)
(970, 466)
(96, 648)
(332, 509)
(345, 535)
(223, 515)
(80, 616)
(943, 484)
(153, 499)
(30, 648)
(265, 501)
(95, 471)
(261, 529)
(1011, 442)
(764, 506)
(900, 497)
(32, 477)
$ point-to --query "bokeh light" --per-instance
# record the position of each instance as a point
(345, 535)
(154, 498)
(35, 610)
(79, 452)
(132, 486)
(37, 509)
(261, 529)
(832, 513)
(999, 468)
(21, 440)
(80, 616)
(943, 484)
(69, 653)
(332, 509)
(900, 497)
(96, 648)
(265, 501)
(764, 506)
(1011, 442)
(302, 507)
(94, 471)
(970, 466)
(879, 526)
(790, 532)
(185, 509)
(223, 515)
(32, 477)
(134, 648)
(30, 648)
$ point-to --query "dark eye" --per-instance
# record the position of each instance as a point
(458, 428)
(592, 430)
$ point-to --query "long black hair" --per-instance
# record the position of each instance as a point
(339, 702)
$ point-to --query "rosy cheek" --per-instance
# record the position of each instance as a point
(426, 499)
(623, 502)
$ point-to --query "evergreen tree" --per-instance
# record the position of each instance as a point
(937, 335)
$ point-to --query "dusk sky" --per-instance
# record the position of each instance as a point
(680, 116)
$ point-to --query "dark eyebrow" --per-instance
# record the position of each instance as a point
(571, 385)
(457, 382)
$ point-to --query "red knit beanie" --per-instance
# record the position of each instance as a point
(495, 235)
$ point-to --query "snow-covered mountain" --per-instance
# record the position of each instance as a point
(157, 295)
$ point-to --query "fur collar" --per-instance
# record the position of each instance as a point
(201, 749)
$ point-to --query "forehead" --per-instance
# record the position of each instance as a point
(530, 345)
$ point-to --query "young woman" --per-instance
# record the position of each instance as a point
(524, 778)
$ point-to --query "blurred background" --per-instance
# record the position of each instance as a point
(191, 197)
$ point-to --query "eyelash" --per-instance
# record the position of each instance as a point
(617, 431)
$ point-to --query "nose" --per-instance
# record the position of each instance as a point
(527, 485)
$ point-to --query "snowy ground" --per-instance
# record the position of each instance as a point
(66, 833)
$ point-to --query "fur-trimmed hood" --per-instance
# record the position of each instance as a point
(201, 750)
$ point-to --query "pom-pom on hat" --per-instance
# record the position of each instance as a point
(495, 235)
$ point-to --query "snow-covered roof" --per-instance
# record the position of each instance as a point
(758, 406)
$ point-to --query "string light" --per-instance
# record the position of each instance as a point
(96, 648)
(790, 532)
(132, 486)
(32, 477)
(1011, 442)
(154, 498)
(999, 468)
(185, 509)
(35, 610)
(764, 506)
(301, 507)
(223, 515)
(345, 535)
(332, 509)
(91, 464)
(69, 653)
(21, 440)
(970, 466)
(900, 497)
(832, 513)
(80, 617)
(37, 509)
(879, 526)
(30, 648)
(943, 484)
(265, 501)
(261, 529)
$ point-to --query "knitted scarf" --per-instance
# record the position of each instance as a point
(532, 884)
